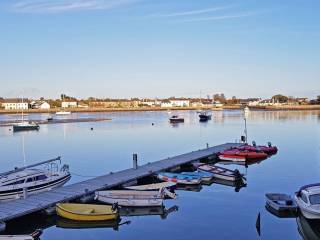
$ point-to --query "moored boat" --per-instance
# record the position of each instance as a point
(86, 212)
(308, 201)
(153, 186)
(63, 113)
(204, 116)
(33, 236)
(204, 176)
(131, 198)
(281, 202)
(19, 182)
(221, 173)
(254, 148)
(176, 119)
(179, 178)
(237, 155)
(25, 126)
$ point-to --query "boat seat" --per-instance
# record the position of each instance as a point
(88, 211)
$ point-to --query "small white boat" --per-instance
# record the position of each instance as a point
(33, 236)
(221, 173)
(26, 181)
(153, 186)
(281, 202)
(63, 113)
(179, 178)
(308, 200)
(131, 198)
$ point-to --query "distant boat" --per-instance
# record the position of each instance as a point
(221, 173)
(308, 200)
(153, 186)
(33, 236)
(63, 113)
(179, 178)
(176, 119)
(130, 198)
(25, 126)
(254, 148)
(204, 116)
(86, 212)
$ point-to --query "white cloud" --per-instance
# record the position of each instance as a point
(223, 17)
(192, 12)
(56, 6)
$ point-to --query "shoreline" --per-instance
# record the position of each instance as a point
(146, 109)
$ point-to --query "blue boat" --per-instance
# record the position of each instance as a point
(179, 178)
(205, 176)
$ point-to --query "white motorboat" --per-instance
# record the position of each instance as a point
(25, 181)
(131, 198)
(63, 113)
(308, 201)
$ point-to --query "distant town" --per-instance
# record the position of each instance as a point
(215, 101)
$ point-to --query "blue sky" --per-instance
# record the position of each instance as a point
(160, 48)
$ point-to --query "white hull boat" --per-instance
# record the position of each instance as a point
(130, 198)
(33, 236)
(153, 186)
(308, 201)
(221, 173)
(19, 183)
(63, 113)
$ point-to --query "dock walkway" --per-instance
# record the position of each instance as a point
(21, 207)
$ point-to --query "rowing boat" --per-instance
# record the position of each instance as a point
(179, 178)
(86, 212)
(221, 173)
(153, 186)
(33, 236)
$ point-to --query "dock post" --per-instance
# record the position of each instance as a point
(25, 193)
(135, 160)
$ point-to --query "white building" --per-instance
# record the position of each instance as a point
(16, 104)
(166, 104)
(69, 104)
(217, 104)
(40, 105)
(180, 102)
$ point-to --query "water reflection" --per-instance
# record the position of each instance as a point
(308, 229)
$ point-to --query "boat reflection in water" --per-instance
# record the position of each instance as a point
(308, 229)
(70, 224)
(147, 211)
(237, 185)
(192, 188)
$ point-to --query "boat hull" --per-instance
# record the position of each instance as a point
(307, 212)
(178, 180)
(9, 195)
(25, 128)
(86, 212)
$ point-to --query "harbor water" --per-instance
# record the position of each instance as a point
(214, 212)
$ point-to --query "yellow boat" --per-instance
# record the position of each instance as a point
(86, 212)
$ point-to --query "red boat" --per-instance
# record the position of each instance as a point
(237, 155)
(254, 148)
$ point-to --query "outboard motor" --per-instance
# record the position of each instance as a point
(115, 206)
(254, 143)
(243, 138)
(269, 144)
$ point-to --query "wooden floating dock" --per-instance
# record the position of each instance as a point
(33, 203)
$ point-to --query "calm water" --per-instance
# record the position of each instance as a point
(217, 211)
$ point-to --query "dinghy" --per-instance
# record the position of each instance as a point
(153, 186)
(280, 202)
(33, 236)
(254, 148)
(308, 200)
(221, 173)
(204, 176)
(131, 198)
(179, 178)
(86, 212)
(241, 155)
